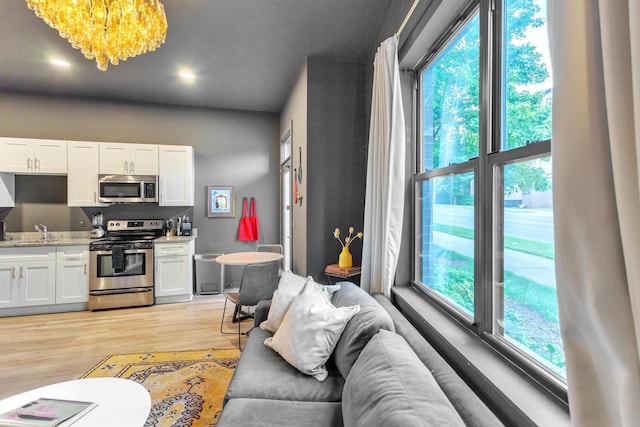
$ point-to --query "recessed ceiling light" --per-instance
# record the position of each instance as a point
(186, 75)
(60, 63)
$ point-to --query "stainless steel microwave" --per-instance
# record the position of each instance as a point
(128, 189)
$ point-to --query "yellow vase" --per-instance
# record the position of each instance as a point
(345, 259)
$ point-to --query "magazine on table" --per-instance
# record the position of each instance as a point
(45, 412)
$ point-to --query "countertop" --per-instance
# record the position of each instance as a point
(56, 238)
(174, 239)
(68, 238)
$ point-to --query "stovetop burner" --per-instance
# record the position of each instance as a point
(130, 234)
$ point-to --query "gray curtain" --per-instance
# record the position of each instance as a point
(384, 197)
(595, 50)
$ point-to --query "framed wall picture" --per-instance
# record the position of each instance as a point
(220, 201)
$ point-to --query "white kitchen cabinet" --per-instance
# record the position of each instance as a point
(33, 156)
(128, 159)
(82, 175)
(9, 287)
(28, 277)
(173, 276)
(72, 274)
(176, 178)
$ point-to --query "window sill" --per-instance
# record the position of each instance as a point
(511, 394)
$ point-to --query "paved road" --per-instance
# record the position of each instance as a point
(535, 268)
(533, 224)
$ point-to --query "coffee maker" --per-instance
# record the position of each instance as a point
(98, 226)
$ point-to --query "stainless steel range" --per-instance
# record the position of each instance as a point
(121, 265)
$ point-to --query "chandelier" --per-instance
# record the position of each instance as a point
(107, 30)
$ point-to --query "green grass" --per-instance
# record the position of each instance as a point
(458, 271)
(537, 297)
(541, 249)
(453, 277)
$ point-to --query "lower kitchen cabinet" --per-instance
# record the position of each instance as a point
(72, 274)
(45, 279)
(173, 275)
(27, 277)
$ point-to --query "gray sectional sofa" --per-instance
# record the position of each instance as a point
(382, 372)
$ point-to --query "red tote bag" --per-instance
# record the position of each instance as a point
(245, 230)
(253, 219)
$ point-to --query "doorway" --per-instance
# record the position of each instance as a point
(286, 211)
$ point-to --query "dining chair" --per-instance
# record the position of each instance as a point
(258, 283)
(276, 248)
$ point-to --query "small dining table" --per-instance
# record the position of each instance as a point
(244, 258)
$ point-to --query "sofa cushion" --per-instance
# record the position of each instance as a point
(277, 413)
(310, 330)
(261, 373)
(362, 326)
(389, 386)
(473, 411)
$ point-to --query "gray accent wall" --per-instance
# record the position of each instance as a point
(232, 147)
(327, 108)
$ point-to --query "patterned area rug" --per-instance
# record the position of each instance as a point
(186, 387)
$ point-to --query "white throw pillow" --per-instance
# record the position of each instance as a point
(289, 287)
(310, 330)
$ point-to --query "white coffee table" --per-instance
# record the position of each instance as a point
(122, 403)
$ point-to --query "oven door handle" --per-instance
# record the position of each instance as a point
(136, 251)
(126, 251)
(121, 291)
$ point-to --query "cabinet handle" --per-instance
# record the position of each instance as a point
(85, 268)
(13, 273)
(29, 161)
(37, 164)
(133, 167)
(126, 166)
(21, 272)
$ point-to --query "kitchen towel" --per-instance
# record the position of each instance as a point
(117, 259)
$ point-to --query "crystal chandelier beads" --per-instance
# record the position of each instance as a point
(107, 30)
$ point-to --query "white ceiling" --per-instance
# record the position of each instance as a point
(245, 53)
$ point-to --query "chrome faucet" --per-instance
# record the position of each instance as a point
(42, 229)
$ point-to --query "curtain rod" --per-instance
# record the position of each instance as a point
(406, 18)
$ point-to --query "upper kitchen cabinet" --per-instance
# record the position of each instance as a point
(33, 156)
(176, 175)
(82, 177)
(128, 159)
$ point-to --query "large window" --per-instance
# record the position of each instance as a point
(483, 187)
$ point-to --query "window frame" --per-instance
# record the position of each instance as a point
(418, 179)
(490, 155)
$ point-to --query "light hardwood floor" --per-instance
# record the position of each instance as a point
(44, 349)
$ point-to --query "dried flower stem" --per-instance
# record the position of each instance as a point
(350, 238)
